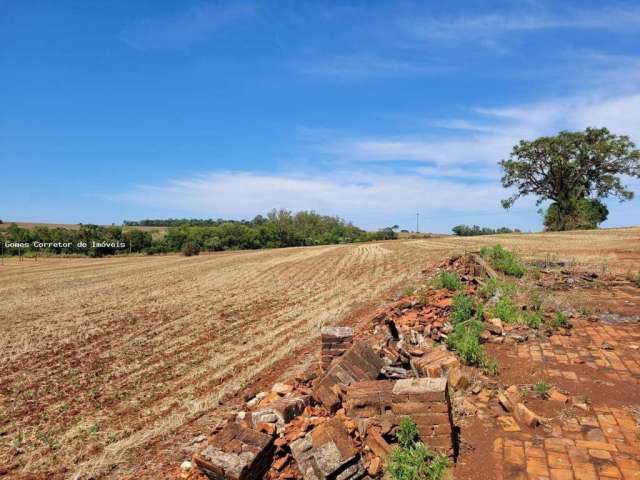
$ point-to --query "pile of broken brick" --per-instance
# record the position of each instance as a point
(339, 419)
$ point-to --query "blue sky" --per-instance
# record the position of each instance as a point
(369, 110)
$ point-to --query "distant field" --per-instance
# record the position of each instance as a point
(101, 357)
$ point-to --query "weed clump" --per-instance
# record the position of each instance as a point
(505, 310)
(462, 308)
(465, 341)
(412, 460)
(559, 321)
(489, 289)
(503, 260)
(542, 389)
(531, 319)
(449, 281)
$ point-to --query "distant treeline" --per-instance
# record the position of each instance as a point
(277, 229)
(468, 231)
(177, 222)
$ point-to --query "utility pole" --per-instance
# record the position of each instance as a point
(417, 222)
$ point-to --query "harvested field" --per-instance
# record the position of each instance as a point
(103, 358)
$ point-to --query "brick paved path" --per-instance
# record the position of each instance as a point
(602, 442)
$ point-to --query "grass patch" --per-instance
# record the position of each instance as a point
(449, 281)
(412, 460)
(503, 260)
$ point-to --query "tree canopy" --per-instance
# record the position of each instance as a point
(570, 168)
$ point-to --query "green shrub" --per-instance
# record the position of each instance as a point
(449, 281)
(190, 248)
(462, 308)
(412, 460)
(503, 260)
(407, 433)
(505, 310)
(465, 341)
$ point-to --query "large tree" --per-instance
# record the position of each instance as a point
(569, 169)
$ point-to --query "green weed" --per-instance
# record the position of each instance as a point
(559, 321)
(505, 310)
(490, 366)
(462, 308)
(542, 389)
(465, 341)
(489, 289)
(449, 281)
(531, 319)
(412, 460)
(536, 300)
(503, 260)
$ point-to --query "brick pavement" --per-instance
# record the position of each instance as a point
(601, 442)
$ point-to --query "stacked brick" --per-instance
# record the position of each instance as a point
(426, 401)
(335, 341)
(236, 453)
(369, 398)
(358, 364)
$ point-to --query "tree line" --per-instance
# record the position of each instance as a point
(468, 231)
(279, 228)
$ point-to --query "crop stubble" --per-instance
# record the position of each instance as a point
(103, 356)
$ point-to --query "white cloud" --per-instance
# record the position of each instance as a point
(168, 33)
(352, 194)
(483, 143)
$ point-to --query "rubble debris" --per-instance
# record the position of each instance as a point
(280, 411)
(376, 443)
(526, 416)
(556, 396)
(236, 453)
(327, 452)
(510, 398)
(494, 325)
(282, 388)
(335, 341)
(359, 363)
(426, 401)
(491, 273)
(436, 363)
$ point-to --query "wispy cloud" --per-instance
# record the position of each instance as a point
(359, 66)
(480, 143)
(178, 31)
(491, 24)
